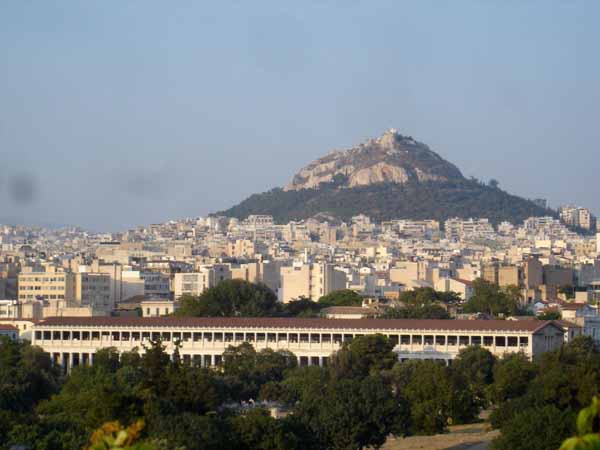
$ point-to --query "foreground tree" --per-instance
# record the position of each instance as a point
(364, 355)
(350, 414)
(476, 365)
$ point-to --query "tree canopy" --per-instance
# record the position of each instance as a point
(231, 298)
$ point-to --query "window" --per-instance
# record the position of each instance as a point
(452, 340)
(417, 339)
(488, 341)
(440, 340)
(512, 341)
(428, 340)
(523, 340)
(405, 339)
(475, 340)
(500, 341)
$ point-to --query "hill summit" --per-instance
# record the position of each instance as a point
(390, 177)
(390, 158)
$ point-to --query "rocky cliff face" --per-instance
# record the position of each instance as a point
(390, 158)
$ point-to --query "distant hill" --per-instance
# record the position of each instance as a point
(391, 177)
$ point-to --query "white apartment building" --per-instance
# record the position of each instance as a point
(194, 283)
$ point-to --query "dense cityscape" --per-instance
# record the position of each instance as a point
(364, 225)
(210, 293)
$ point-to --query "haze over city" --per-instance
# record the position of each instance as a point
(122, 113)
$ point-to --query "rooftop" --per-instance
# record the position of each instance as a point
(297, 323)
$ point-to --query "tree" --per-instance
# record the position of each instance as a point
(512, 376)
(550, 315)
(26, 376)
(231, 298)
(535, 429)
(350, 414)
(256, 429)
(364, 355)
(245, 370)
(435, 394)
(489, 298)
(476, 365)
(344, 297)
(588, 434)
(302, 307)
(430, 311)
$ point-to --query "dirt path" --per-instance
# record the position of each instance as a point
(461, 437)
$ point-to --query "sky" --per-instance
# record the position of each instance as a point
(119, 113)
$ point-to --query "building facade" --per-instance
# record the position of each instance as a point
(74, 340)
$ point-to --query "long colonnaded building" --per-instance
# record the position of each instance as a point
(202, 340)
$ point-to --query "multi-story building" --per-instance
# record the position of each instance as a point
(310, 280)
(194, 283)
(48, 285)
(72, 341)
(93, 289)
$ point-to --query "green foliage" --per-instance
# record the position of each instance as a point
(535, 429)
(437, 395)
(550, 315)
(512, 375)
(26, 376)
(430, 311)
(588, 432)
(427, 295)
(489, 298)
(422, 303)
(256, 429)
(231, 298)
(386, 201)
(302, 307)
(364, 355)
(344, 297)
(563, 382)
(349, 414)
(246, 370)
(112, 436)
(476, 365)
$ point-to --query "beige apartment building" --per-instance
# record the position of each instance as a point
(66, 289)
(241, 248)
(310, 280)
(509, 276)
(48, 285)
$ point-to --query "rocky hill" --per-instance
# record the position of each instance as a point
(390, 177)
(390, 158)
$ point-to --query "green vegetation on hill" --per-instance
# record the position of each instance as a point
(385, 201)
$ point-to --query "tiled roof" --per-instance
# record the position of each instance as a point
(297, 323)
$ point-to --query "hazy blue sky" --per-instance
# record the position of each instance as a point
(116, 113)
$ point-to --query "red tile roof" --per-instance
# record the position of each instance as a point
(296, 323)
